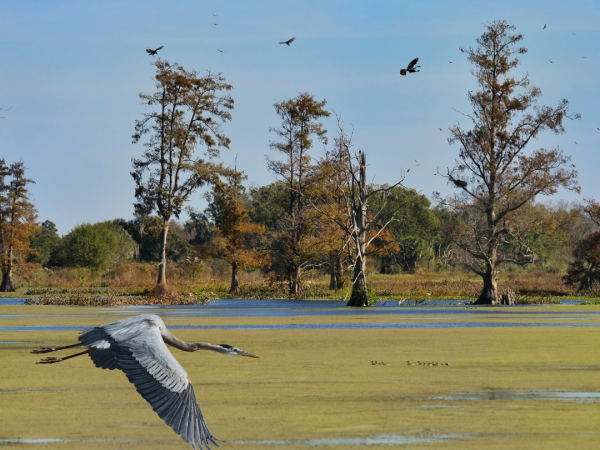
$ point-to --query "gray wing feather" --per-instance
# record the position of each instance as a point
(136, 347)
(179, 410)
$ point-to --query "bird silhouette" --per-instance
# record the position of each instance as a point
(411, 67)
(215, 15)
(441, 129)
(221, 51)
(544, 27)
(153, 52)
(215, 24)
(450, 62)
(550, 61)
(576, 142)
(288, 42)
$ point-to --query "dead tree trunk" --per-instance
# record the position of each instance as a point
(162, 266)
(359, 296)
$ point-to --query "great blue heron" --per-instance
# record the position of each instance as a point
(153, 52)
(411, 67)
(137, 347)
(288, 42)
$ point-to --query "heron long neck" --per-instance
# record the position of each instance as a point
(171, 340)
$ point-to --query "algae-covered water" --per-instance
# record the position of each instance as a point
(517, 377)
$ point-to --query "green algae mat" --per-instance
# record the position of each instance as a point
(504, 388)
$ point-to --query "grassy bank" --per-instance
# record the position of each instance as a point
(316, 384)
(196, 284)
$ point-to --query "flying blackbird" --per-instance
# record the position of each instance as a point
(411, 67)
(288, 42)
(153, 52)
(544, 27)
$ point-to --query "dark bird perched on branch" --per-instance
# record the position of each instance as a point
(288, 42)
(411, 67)
(153, 52)
(459, 183)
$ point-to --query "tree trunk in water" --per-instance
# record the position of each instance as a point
(235, 285)
(162, 267)
(359, 295)
(489, 293)
(7, 281)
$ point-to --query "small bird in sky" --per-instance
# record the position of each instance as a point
(550, 61)
(599, 128)
(153, 52)
(411, 67)
(574, 34)
(288, 42)
(544, 27)
(215, 24)
(450, 62)
(221, 51)
(441, 129)
(576, 142)
(215, 15)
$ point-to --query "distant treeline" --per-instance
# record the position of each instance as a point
(422, 244)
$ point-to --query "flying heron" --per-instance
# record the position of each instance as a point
(411, 67)
(288, 42)
(137, 347)
(153, 52)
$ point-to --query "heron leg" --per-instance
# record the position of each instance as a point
(52, 360)
(54, 349)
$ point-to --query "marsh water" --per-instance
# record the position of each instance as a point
(334, 315)
(432, 314)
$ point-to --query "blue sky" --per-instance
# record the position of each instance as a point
(72, 70)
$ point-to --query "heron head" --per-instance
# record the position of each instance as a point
(234, 351)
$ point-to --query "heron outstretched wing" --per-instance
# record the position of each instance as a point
(136, 347)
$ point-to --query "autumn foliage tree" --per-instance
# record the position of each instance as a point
(189, 109)
(17, 222)
(493, 173)
(296, 244)
(235, 239)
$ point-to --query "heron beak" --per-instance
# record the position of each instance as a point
(249, 355)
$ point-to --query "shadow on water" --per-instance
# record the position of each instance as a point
(522, 394)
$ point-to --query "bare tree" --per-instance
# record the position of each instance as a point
(360, 227)
(493, 173)
(189, 109)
